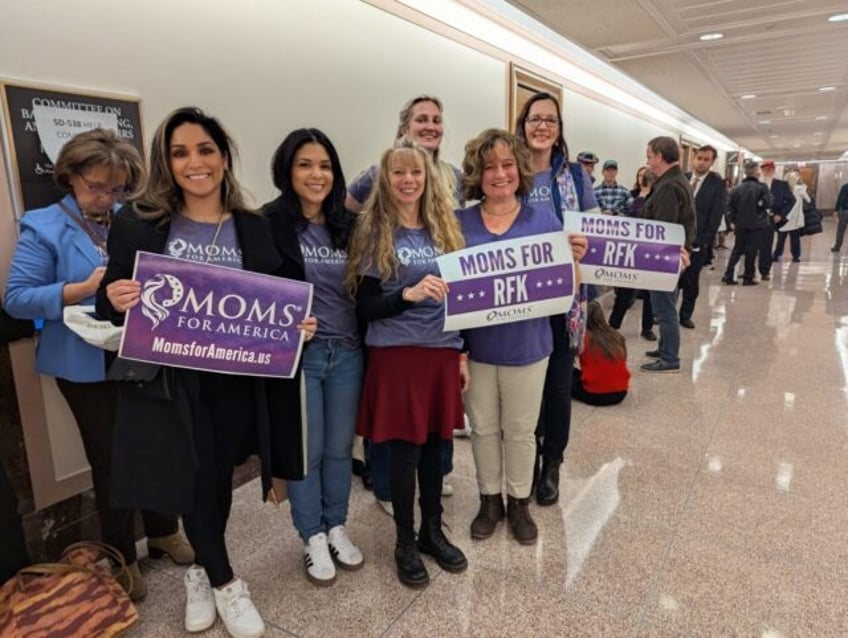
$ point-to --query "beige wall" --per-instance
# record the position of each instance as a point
(265, 67)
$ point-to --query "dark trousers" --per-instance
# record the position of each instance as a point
(222, 435)
(407, 460)
(766, 250)
(623, 299)
(747, 242)
(689, 283)
(794, 244)
(379, 460)
(13, 553)
(591, 398)
(93, 407)
(841, 225)
(554, 425)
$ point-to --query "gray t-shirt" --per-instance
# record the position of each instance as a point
(196, 241)
(422, 324)
(325, 270)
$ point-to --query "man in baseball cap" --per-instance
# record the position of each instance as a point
(588, 160)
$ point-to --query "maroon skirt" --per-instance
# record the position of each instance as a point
(409, 393)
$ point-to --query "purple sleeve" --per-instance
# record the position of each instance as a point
(589, 200)
(360, 188)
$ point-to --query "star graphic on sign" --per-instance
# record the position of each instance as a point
(459, 297)
(657, 257)
(481, 294)
(550, 283)
(559, 281)
(299, 308)
(538, 284)
(471, 295)
(593, 250)
(647, 255)
(667, 258)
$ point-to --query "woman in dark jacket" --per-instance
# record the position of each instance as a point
(309, 222)
(561, 187)
(185, 438)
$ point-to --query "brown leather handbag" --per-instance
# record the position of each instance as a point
(78, 597)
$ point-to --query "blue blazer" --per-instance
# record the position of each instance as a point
(53, 250)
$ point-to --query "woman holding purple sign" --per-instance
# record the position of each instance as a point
(508, 362)
(185, 430)
(559, 186)
(412, 396)
(58, 262)
(312, 226)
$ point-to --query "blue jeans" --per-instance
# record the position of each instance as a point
(665, 311)
(333, 376)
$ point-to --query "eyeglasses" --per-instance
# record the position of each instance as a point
(537, 120)
(99, 189)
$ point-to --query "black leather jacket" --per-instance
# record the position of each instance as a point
(749, 205)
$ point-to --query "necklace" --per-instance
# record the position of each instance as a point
(513, 211)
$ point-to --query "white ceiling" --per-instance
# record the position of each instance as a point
(781, 51)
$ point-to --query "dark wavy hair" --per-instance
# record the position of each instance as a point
(162, 197)
(560, 147)
(337, 218)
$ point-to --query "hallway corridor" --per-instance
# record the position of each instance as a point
(710, 503)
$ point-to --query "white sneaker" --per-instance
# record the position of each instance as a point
(347, 554)
(447, 488)
(387, 507)
(237, 611)
(465, 432)
(200, 611)
(319, 565)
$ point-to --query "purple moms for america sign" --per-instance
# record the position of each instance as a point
(628, 252)
(508, 281)
(214, 318)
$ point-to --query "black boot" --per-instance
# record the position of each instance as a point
(432, 541)
(410, 567)
(547, 492)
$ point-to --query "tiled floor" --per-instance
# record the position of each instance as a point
(710, 503)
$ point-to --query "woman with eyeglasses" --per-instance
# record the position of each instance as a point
(559, 186)
(59, 261)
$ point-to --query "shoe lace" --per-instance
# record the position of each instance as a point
(240, 602)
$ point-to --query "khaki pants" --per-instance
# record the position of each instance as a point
(503, 405)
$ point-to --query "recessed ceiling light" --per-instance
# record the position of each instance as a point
(824, 89)
(774, 137)
(711, 36)
(765, 121)
(839, 17)
(749, 96)
(821, 117)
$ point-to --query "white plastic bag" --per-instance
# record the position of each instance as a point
(99, 333)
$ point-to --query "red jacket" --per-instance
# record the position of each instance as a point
(600, 375)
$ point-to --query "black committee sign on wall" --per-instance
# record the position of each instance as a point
(71, 112)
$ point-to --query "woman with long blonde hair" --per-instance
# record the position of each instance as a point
(412, 395)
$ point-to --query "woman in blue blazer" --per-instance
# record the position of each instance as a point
(59, 261)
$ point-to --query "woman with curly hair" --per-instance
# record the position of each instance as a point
(412, 396)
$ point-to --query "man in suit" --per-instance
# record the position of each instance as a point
(710, 204)
(782, 202)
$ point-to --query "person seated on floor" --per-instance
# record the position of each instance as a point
(603, 377)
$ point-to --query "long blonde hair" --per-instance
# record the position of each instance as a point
(372, 244)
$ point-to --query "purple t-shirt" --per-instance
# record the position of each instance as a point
(520, 342)
(360, 188)
(197, 241)
(325, 270)
(421, 324)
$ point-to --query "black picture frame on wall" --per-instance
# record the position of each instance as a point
(31, 170)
